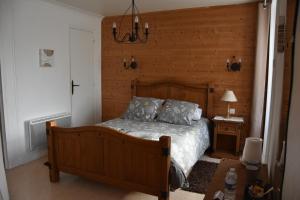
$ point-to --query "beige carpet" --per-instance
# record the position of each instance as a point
(31, 182)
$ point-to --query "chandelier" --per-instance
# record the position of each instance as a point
(136, 35)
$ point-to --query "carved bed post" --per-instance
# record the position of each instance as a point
(53, 172)
(165, 142)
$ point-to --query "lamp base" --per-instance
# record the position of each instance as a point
(228, 111)
(251, 166)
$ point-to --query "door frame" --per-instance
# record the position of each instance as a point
(97, 70)
(2, 123)
(3, 145)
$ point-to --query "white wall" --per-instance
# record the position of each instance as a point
(31, 91)
(292, 176)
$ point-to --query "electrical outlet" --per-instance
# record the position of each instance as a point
(232, 111)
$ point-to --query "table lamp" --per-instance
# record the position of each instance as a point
(252, 153)
(228, 97)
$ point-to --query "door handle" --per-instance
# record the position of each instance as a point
(74, 85)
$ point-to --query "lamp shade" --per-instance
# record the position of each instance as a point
(229, 96)
(252, 152)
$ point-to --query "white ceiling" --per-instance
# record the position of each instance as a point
(117, 7)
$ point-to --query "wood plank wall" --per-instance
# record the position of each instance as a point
(189, 45)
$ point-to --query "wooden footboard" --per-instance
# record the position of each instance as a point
(109, 156)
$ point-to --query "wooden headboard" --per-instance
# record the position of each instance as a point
(201, 94)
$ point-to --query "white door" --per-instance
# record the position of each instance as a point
(82, 77)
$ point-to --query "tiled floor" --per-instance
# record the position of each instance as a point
(31, 182)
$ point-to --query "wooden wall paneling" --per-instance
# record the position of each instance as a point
(188, 45)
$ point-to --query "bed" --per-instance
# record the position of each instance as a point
(129, 154)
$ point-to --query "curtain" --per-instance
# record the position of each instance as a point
(292, 176)
(260, 71)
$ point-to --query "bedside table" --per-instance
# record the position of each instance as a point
(228, 126)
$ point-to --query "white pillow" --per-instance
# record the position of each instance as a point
(197, 114)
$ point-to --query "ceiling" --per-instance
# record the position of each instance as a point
(117, 7)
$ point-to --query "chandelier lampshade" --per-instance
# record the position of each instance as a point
(139, 32)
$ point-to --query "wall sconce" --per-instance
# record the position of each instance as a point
(131, 64)
(233, 65)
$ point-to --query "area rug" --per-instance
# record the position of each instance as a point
(200, 176)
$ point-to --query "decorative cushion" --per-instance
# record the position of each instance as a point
(177, 112)
(197, 114)
(143, 109)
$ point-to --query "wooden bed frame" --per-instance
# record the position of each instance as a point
(111, 157)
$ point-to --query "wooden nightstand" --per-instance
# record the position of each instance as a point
(228, 126)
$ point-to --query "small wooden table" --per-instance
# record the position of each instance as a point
(228, 126)
(244, 177)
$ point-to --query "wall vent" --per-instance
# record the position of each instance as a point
(36, 129)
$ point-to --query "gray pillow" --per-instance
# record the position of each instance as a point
(177, 112)
(143, 109)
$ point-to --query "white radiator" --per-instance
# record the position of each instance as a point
(37, 129)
